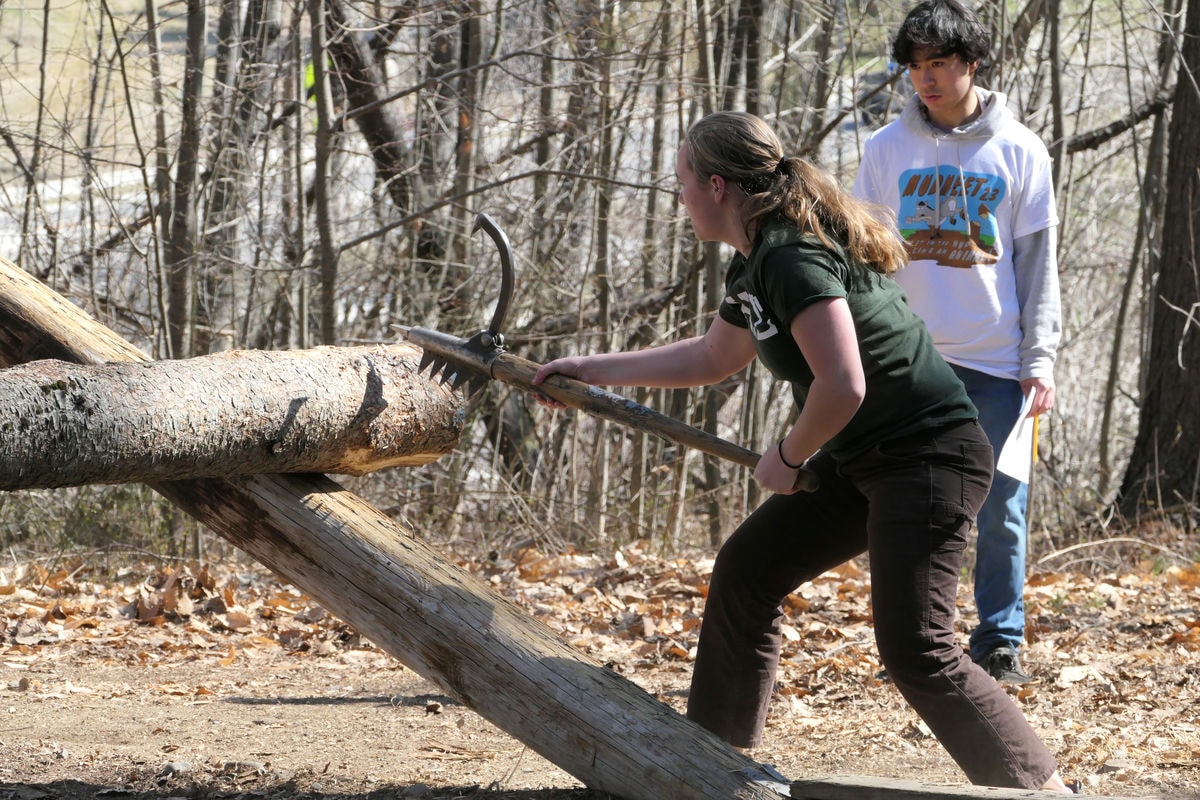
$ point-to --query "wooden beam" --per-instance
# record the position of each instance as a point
(348, 411)
(859, 788)
(435, 618)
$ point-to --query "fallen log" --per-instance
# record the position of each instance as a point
(436, 619)
(348, 411)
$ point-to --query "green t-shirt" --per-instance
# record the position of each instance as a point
(910, 388)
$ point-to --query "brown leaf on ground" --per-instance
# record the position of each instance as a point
(127, 662)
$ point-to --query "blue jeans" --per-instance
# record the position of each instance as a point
(1000, 548)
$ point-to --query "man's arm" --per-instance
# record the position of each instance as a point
(1035, 265)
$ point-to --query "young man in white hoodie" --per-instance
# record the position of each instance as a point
(974, 198)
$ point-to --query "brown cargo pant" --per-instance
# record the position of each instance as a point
(909, 504)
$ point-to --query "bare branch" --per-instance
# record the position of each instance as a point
(1093, 139)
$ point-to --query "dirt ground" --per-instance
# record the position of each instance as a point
(204, 682)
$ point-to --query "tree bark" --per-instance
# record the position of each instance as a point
(440, 621)
(178, 250)
(1163, 471)
(1145, 248)
(326, 251)
(257, 53)
(344, 410)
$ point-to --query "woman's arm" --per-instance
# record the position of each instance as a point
(826, 336)
(702, 360)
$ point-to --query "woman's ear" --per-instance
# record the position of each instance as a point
(718, 185)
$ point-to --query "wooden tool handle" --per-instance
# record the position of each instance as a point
(519, 372)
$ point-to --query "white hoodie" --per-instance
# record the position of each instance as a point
(975, 206)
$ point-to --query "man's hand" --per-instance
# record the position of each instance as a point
(1043, 397)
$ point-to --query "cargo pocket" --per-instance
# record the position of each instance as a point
(954, 521)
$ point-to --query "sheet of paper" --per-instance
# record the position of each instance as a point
(1016, 457)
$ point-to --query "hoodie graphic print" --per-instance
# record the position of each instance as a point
(948, 216)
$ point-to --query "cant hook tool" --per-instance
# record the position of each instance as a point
(482, 357)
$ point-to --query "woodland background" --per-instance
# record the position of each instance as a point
(266, 174)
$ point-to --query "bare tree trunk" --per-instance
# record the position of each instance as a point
(1058, 139)
(159, 199)
(742, 57)
(327, 255)
(30, 173)
(227, 54)
(434, 282)
(1163, 471)
(342, 410)
(547, 25)
(437, 619)
(179, 252)
(218, 228)
(1012, 37)
(602, 266)
(818, 95)
(254, 67)
(713, 400)
(377, 121)
(1144, 257)
(750, 26)
(706, 55)
(643, 447)
(286, 324)
(470, 49)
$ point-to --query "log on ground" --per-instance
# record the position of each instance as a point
(433, 617)
(348, 411)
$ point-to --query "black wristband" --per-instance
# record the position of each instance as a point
(783, 458)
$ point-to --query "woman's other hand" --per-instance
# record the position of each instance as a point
(772, 474)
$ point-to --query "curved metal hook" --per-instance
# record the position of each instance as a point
(507, 280)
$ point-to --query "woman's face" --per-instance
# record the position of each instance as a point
(699, 198)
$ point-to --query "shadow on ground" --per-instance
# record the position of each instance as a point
(77, 790)
(414, 701)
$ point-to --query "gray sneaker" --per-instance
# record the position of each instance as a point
(1004, 665)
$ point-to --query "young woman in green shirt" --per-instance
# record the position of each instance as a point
(884, 422)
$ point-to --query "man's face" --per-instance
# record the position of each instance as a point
(946, 85)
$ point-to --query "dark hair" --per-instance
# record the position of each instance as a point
(947, 27)
(744, 150)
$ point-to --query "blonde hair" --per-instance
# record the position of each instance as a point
(745, 151)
